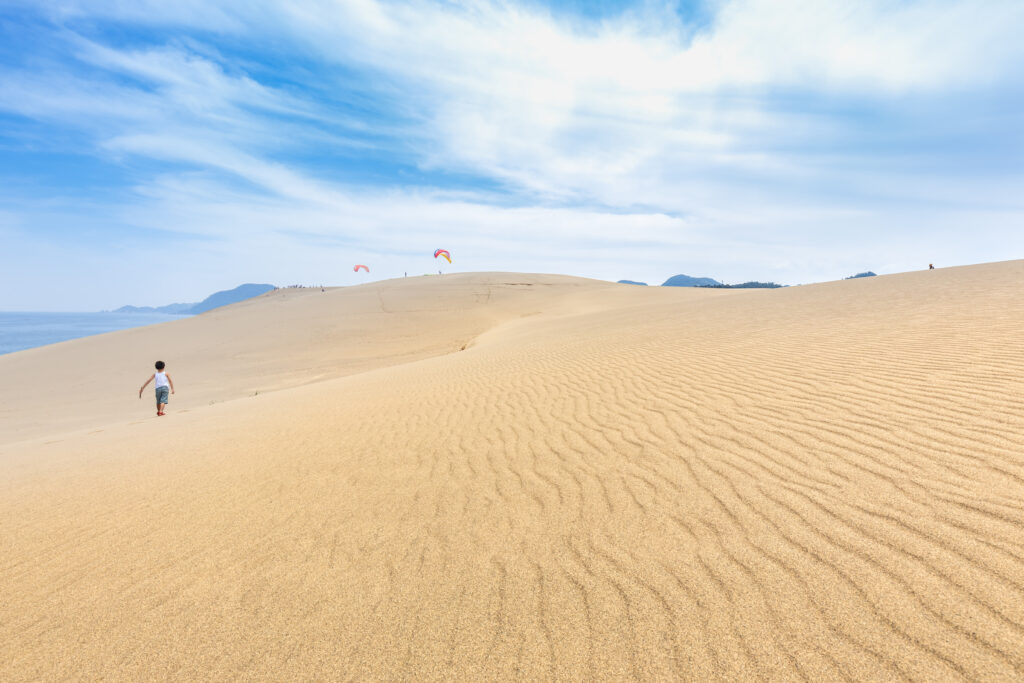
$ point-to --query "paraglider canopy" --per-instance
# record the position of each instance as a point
(443, 252)
(356, 269)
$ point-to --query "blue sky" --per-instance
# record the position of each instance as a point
(153, 152)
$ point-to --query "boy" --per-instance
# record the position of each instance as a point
(163, 381)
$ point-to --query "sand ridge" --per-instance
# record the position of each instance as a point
(607, 483)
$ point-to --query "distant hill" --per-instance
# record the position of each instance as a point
(867, 273)
(230, 296)
(687, 281)
(630, 282)
(215, 300)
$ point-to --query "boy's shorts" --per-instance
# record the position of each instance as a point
(161, 394)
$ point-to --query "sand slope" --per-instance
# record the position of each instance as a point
(608, 482)
(282, 339)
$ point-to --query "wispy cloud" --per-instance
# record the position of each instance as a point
(784, 139)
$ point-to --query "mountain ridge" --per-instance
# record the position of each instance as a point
(215, 300)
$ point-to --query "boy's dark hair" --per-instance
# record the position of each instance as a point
(159, 365)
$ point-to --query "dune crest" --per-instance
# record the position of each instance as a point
(608, 482)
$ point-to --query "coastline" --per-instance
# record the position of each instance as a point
(23, 330)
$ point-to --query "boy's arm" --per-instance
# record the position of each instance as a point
(144, 385)
(171, 382)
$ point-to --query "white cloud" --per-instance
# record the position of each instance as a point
(745, 146)
(637, 112)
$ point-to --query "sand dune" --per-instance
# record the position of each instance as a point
(608, 482)
(282, 339)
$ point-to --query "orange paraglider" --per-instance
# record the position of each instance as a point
(356, 269)
(443, 252)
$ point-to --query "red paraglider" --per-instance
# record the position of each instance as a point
(443, 252)
(356, 269)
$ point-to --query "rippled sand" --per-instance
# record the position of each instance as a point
(511, 476)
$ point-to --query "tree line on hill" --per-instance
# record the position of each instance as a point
(746, 285)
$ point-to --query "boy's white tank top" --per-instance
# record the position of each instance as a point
(161, 379)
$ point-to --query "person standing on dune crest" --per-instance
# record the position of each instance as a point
(162, 381)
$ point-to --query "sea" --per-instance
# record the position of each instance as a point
(20, 331)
